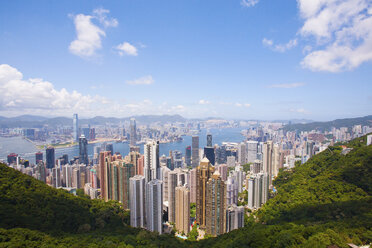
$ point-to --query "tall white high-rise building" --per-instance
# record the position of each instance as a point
(165, 171)
(252, 147)
(369, 139)
(276, 160)
(239, 177)
(231, 191)
(75, 127)
(151, 161)
(195, 151)
(230, 161)
(234, 218)
(137, 201)
(242, 157)
(256, 166)
(193, 185)
(251, 192)
(258, 190)
(154, 206)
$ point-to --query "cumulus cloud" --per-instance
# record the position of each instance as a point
(279, 47)
(342, 32)
(126, 48)
(19, 94)
(287, 86)
(337, 33)
(102, 16)
(146, 80)
(248, 3)
(203, 102)
(88, 34)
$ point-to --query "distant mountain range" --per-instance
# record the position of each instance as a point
(348, 122)
(31, 121)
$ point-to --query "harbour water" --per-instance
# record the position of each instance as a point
(27, 150)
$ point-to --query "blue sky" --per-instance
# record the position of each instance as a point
(245, 59)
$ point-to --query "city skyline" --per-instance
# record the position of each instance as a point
(245, 59)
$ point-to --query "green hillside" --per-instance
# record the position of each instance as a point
(326, 201)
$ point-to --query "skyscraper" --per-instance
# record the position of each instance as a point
(126, 171)
(38, 157)
(75, 127)
(86, 132)
(203, 172)
(195, 151)
(242, 153)
(41, 171)
(133, 159)
(231, 191)
(216, 205)
(234, 218)
(172, 184)
(258, 190)
(104, 158)
(137, 203)
(154, 206)
(209, 154)
(209, 140)
(252, 147)
(188, 156)
(267, 153)
(151, 161)
(133, 132)
(56, 177)
(109, 147)
(276, 160)
(177, 159)
(222, 169)
(193, 185)
(50, 157)
(182, 209)
(83, 150)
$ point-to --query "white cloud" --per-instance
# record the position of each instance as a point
(37, 96)
(101, 15)
(126, 48)
(203, 102)
(342, 32)
(247, 105)
(88, 34)
(147, 80)
(267, 42)
(24, 95)
(287, 86)
(248, 3)
(281, 47)
(338, 34)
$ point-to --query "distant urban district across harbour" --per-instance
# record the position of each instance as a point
(27, 149)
